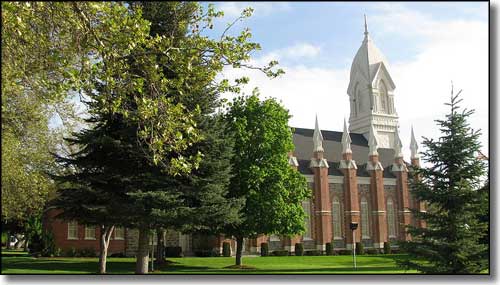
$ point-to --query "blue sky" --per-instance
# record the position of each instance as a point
(427, 44)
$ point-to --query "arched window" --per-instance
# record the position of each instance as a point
(383, 97)
(336, 219)
(391, 220)
(307, 220)
(365, 224)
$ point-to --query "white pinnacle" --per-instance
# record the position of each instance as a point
(372, 141)
(317, 138)
(413, 146)
(397, 145)
(346, 140)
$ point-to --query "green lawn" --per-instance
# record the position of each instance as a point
(16, 263)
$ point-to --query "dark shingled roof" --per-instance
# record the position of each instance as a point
(332, 145)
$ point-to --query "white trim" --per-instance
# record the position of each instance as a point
(89, 237)
(360, 179)
(76, 231)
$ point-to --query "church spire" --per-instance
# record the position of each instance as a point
(346, 140)
(372, 141)
(317, 138)
(366, 27)
(397, 145)
(413, 145)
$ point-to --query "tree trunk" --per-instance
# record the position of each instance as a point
(142, 259)
(160, 255)
(239, 249)
(26, 244)
(104, 239)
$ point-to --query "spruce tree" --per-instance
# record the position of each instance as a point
(451, 241)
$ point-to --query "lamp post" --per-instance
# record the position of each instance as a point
(353, 227)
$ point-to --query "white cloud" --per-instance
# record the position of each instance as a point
(234, 9)
(448, 50)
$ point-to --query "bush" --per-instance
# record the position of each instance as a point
(312, 252)
(345, 252)
(264, 249)
(58, 252)
(226, 249)
(86, 252)
(387, 247)
(299, 249)
(329, 248)
(207, 253)
(280, 253)
(117, 254)
(173, 251)
(4, 238)
(360, 248)
(70, 252)
(372, 251)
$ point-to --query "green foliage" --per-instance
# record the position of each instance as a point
(206, 253)
(299, 249)
(71, 252)
(451, 242)
(86, 252)
(360, 248)
(273, 190)
(387, 247)
(372, 251)
(329, 248)
(173, 251)
(345, 252)
(264, 249)
(4, 238)
(226, 249)
(313, 252)
(280, 253)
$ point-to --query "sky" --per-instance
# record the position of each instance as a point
(428, 45)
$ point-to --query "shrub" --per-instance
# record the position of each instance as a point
(226, 249)
(280, 253)
(312, 252)
(329, 248)
(264, 249)
(207, 253)
(345, 252)
(387, 247)
(58, 252)
(360, 248)
(117, 254)
(86, 252)
(4, 238)
(173, 251)
(299, 249)
(71, 252)
(372, 251)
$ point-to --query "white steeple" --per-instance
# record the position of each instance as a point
(317, 138)
(346, 140)
(413, 146)
(372, 141)
(371, 93)
(397, 145)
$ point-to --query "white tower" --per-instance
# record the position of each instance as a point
(371, 94)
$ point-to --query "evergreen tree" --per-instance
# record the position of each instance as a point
(272, 190)
(449, 186)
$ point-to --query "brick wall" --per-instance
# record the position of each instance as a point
(60, 230)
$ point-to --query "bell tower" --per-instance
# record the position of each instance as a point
(371, 94)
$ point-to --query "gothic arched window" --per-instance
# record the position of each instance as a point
(383, 97)
(306, 205)
(336, 219)
(391, 220)
(365, 224)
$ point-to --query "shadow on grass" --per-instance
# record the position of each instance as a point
(81, 266)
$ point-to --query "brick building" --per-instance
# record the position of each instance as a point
(357, 175)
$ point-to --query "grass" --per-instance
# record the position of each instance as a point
(18, 263)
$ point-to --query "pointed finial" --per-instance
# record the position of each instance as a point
(398, 146)
(346, 140)
(317, 138)
(413, 145)
(366, 26)
(372, 141)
